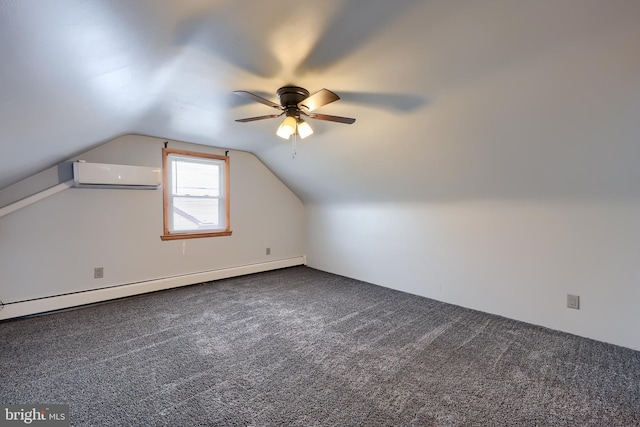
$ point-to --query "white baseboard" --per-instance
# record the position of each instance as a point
(25, 308)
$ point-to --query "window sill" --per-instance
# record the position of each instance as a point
(194, 235)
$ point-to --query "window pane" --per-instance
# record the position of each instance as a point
(195, 195)
(196, 178)
(192, 214)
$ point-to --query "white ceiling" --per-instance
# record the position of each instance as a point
(453, 99)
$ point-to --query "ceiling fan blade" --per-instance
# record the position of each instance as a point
(253, 119)
(254, 97)
(345, 120)
(318, 99)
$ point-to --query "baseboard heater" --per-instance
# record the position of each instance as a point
(103, 175)
(58, 302)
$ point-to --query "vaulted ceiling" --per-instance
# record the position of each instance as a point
(453, 99)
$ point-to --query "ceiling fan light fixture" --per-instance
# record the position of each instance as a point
(283, 132)
(304, 130)
(287, 128)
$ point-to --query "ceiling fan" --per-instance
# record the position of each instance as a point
(296, 102)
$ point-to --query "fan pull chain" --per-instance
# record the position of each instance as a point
(293, 146)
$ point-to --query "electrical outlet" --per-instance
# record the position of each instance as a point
(573, 301)
(98, 272)
(268, 251)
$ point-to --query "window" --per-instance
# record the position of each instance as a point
(196, 195)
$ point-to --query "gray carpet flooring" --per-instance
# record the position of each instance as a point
(300, 347)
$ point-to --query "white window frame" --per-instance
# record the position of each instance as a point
(224, 196)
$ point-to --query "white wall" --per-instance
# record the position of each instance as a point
(516, 259)
(51, 247)
(515, 184)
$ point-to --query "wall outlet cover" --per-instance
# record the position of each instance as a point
(573, 301)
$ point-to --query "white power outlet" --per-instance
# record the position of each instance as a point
(573, 301)
(268, 251)
(98, 272)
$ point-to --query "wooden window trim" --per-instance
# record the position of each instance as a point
(167, 234)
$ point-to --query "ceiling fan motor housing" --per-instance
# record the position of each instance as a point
(290, 96)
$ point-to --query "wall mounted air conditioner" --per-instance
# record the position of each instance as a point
(102, 175)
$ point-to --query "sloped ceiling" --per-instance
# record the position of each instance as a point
(453, 99)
